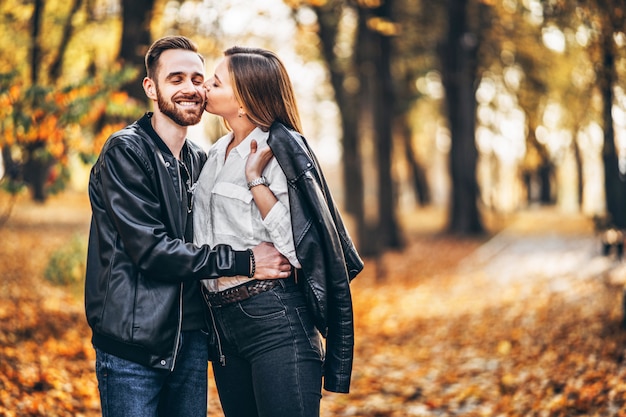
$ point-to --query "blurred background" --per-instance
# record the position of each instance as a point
(477, 149)
(482, 107)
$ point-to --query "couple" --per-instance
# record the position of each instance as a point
(239, 256)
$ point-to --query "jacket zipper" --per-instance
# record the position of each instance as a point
(180, 296)
(180, 326)
(217, 336)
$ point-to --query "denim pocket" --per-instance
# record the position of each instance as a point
(263, 306)
(314, 337)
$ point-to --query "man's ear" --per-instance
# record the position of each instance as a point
(149, 88)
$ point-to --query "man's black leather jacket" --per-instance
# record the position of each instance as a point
(137, 257)
(326, 253)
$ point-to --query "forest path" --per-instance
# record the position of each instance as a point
(526, 322)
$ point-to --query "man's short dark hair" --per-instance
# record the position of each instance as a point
(163, 44)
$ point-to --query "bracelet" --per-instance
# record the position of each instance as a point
(252, 263)
(258, 181)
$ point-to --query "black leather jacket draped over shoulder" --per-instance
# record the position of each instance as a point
(325, 250)
(137, 257)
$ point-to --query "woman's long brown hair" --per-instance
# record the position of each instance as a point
(262, 85)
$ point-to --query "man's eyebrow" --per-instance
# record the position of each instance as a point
(174, 74)
(182, 73)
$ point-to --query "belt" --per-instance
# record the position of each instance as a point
(238, 293)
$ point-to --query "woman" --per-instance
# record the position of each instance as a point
(268, 332)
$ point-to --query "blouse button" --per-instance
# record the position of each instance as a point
(167, 164)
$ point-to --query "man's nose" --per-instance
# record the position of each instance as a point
(190, 86)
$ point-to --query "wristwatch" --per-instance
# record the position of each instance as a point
(258, 181)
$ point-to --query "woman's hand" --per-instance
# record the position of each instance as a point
(263, 197)
(257, 160)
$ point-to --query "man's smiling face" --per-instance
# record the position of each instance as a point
(179, 91)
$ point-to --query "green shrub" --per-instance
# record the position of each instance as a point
(66, 265)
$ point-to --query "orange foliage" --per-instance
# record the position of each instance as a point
(103, 135)
(60, 121)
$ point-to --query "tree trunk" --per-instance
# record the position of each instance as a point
(366, 55)
(545, 172)
(12, 170)
(328, 17)
(68, 29)
(35, 55)
(135, 41)
(388, 230)
(36, 170)
(33, 173)
(579, 171)
(459, 58)
(419, 179)
(613, 181)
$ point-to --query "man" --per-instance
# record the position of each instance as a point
(142, 294)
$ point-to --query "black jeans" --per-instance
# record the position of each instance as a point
(273, 353)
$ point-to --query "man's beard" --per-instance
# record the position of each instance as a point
(181, 117)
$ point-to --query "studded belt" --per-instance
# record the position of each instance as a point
(238, 293)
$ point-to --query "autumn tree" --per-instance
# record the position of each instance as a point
(527, 70)
(377, 98)
(381, 51)
(607, 18)
(135, 40)
(335, 49)
(459, 72)
(360, 74)
(35, 161)
(54, 111)
(418, 27)
(603, 21)
(529, 55)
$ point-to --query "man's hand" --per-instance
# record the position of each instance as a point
(257, 160)
(270, 264)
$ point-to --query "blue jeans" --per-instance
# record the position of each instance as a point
(128, 389)
(273, 355)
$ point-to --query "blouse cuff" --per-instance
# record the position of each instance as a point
(276, 216)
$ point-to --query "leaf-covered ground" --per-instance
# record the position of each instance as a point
(525, 324)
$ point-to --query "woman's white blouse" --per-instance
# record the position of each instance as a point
(224, 210)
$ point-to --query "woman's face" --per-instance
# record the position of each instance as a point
(220, 96)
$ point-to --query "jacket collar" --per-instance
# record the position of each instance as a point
(291, 151)
(146, 125)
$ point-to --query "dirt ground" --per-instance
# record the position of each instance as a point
(525, 322)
